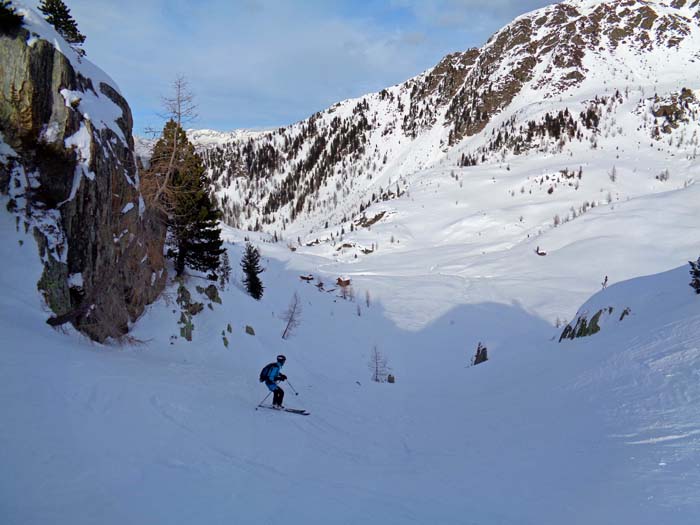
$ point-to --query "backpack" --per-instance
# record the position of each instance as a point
(265, 372)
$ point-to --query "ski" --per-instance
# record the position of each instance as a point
(299, 411)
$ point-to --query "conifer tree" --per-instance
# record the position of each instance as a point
(10, 20)
(194, 235)
(251, 269)
(695, 275)
(58, 15)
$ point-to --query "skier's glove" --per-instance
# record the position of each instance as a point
(282, 377)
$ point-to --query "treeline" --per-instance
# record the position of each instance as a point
(286, 167)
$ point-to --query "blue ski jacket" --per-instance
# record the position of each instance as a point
(272, 376)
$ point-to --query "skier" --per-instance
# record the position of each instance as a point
(272, 374)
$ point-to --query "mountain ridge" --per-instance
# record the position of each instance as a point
(360, 146)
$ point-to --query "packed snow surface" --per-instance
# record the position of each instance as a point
(597, 430)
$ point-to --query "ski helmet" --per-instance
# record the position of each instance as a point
(281, 359)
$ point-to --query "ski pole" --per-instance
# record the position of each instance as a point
(293, 389)
(261, 402)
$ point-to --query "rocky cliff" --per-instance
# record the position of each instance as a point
(68, 167)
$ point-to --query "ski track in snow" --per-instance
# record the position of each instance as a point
(595, 430)
(600, 430)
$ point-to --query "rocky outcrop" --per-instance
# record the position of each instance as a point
(674, 109)
(583, 327)
(72, 179)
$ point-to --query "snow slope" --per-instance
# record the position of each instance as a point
(596, 430)
(599, 430)
(476, 236)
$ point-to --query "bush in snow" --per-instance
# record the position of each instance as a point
(481, 355)
(695, 275)
(664, 175)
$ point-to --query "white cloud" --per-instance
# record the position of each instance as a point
(460, 12)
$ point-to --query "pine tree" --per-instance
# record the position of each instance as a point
(695, 275)
(10, 21)
(194, 235)
(251, 268)
(58, 15)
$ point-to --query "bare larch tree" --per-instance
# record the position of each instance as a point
(292, 316)
(180, 108)
(378, 366)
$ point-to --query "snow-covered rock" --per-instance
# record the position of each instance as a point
(69, 169)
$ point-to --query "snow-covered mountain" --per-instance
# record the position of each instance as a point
(208, 138)
(203, 139)
(577, 76)
(525, 145)
(505, 214)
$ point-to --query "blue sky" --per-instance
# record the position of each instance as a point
(267, 63)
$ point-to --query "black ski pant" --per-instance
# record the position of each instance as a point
(277, 396)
